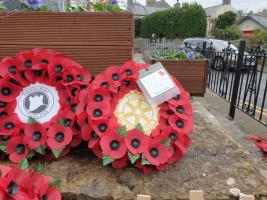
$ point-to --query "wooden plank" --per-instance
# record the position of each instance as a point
(53, 28)
(196, 195)
(143, 197)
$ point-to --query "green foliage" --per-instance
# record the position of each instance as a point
(77, 8)
(122, 131)
(138, 24)
(229, 33)
(24, 7)
(56, 183)
(139, 127)
(259, 34)
(31, 120)
(2, 6)
(40, 168)
(107, 160)
(106, 7)
(133, 157)
(40, 150)
(3, 146)
(24, 165)
(188, 21)
(30, 155)
(225, 20)
(57, 153)
(173, 55)
(144, 160)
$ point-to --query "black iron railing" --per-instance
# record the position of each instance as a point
(240, 77)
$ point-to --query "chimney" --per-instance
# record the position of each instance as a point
(177, 4)
(226, 2)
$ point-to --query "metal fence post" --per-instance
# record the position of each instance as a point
(204, 47)
(241, 52)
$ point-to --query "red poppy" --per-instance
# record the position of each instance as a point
(120, 163)
(9, 124)
(113, 145)
(130, 70)
(98, 95)
(101, 81)
(8, 91)
(98, 151)
(82, 119)
(16, 184)
(113, 74)
(9, 66)
(182, 110)
(59, 136)
(88, 134)
(156, 153)
(82, 104)
(105, 125)
(35, 135)
(180, 124)
(16, 149)
(98, 110)
(41, 187)
(179, 138)
(136, 141)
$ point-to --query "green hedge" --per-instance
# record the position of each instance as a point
(188, 21)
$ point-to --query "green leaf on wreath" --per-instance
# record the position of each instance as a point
(24, 165)
(144, 160)
(122, 131)
(0, 173)
(57, 152)
(3, 147)
(60, 121)
(31, 120)
(166, 142)
(40, 150)
(40, 168)
(139, 127)
(56, 183)
(30, 155)
(107, 160)
(133, 157)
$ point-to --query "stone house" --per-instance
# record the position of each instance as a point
(249, 23)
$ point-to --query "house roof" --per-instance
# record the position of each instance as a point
(141, 10)
(260, 20)
(213, 9)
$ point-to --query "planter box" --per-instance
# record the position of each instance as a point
(192, 74)
(95, 40)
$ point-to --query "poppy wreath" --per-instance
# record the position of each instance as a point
(123, 129)
(39, 92)
(17, 184)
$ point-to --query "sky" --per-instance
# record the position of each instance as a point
(246, 5)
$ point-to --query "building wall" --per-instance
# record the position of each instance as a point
(248, 25)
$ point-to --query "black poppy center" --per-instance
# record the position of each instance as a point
(115, 77)
(73, 107)
(20, 149)
(5, 137)
(170, 112)
(80, 77)
(74, 92)
(173, 136)
(69, 78)
(3, 114)
(12, 69)
(127, 83)
(105, 85)
(59, 137)
(67, 122)
(129, 72)
(36, 136)
(13, 188)
(97, 113)
(98, 98)
(180, 109)
(44, 197)
(102, 127)
(6, 91)
(2, 104)
(94, 135)
(58, 68)
(179, 123)
(154, 152)
(37, 73)
(177, 97)
(135, 143)
(9, 125)
(115, 145)
(28, 64)
(44, 62)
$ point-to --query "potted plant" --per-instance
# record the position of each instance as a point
(95, 39)
(189, 67)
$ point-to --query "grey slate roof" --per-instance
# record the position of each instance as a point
(213, 9)
(262, 21)
(141, 10)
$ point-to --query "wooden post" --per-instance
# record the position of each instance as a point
(246, 197)
(143, 197)
(196, 195)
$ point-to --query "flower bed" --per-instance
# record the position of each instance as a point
(189, 68)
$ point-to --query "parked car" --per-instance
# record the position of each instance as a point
(224, 54)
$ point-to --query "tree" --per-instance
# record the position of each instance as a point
(225, 20)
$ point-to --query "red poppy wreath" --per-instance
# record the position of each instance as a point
(39, 92)
(17, 184)
(122, 128)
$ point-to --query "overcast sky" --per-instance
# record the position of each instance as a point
(245, 5)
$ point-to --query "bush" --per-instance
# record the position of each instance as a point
(188, 21)
(225, 20)
(229, 33)
(138, 23)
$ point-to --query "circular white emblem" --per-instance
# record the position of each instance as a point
(133, 109)
(38, 101)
